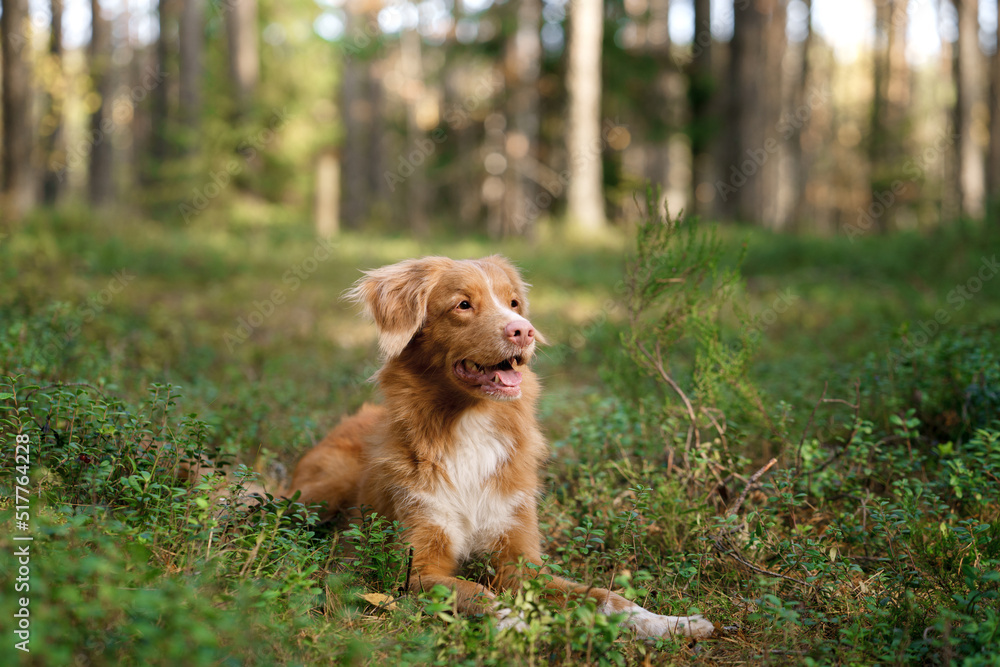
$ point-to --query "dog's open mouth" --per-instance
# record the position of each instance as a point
(501, 380)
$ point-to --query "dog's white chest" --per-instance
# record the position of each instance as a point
(468, 506)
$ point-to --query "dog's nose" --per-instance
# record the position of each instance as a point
(519, 332)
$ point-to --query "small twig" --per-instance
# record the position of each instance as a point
(722, 544)
(856, 406)
(409, 570)
(805, 431)
(253, 555)
(840, 400)
(719, 428)
(657, 363)
(732, 553)
(746, 489)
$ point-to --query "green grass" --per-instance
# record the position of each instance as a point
(889, 522)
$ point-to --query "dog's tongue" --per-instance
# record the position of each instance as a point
(509, 378)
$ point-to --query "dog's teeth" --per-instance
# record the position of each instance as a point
(496, 378)
(469, 366)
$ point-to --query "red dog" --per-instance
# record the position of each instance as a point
(454, 452)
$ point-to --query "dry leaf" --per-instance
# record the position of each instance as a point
(380, 600)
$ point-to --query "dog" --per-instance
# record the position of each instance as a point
(454, 451)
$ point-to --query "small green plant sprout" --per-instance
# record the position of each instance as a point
(676, 288)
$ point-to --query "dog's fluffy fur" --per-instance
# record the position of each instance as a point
(454, 451)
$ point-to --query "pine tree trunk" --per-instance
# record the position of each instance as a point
(360, 149)
(701, 93)
(355, 199)
(878, 138)
(376, 153)
(968, 75)
(994, 160)
(898, 89)
(658, 24)
(416, 185)
(585, 196)
(750, 183)
(19, 188)
(160, 107)
(192, 46)
(524, 52)
(798, 119)
(100, 184)
(890, 101)
(327, 202)
(54, 140)
(244, 51)
(771, 183)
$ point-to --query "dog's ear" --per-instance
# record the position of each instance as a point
(395, 297)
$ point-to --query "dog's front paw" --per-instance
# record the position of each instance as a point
(511, 619)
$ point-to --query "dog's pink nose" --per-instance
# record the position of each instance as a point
(520, 332)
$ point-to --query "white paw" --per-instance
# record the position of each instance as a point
(510, 619)
(648, 625)
(696, 627)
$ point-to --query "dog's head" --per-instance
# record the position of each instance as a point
(464, 318)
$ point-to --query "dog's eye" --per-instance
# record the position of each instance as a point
(465, 305)
(514, 304)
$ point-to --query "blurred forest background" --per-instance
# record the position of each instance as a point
(472, 115)
(177, 176)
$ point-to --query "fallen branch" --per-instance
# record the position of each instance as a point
(720, 540)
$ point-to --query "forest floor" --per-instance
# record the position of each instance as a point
(875, 538)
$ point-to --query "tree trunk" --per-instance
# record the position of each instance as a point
(100, 184)
(192, 46)
(898, 88)
(968, 75)
(585, 196)
(890, 101)
(143, 77)
(53, 139)
(19, 187)
(798, 120)
(749, 185)
(160, 107)
(355, 204)
(356, 149)
(416, 185)
(658, 25)
(465, 174)
(701, 92)
(878, 138)
(994, 164)
(327, 194)
(244, 53)
(376, 152)
(524, 53)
